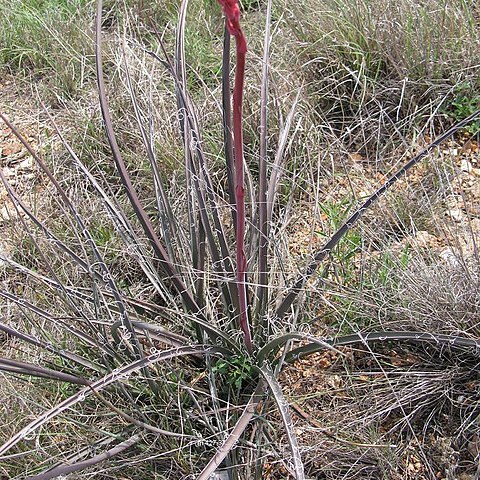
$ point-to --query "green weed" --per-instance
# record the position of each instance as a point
(465, 102)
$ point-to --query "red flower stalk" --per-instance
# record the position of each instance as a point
(232, 18)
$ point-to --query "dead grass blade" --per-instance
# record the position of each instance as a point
(229, 444)
(101, 457)
(17, 201)
(98, 385)
(82, 228)
(350, 222)
(167, 218)
(283, 408)
(122, 224)
(278, 164)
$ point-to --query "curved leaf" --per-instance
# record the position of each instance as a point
(15, 366)
(352, 220)
(279, 341)
(160, 252)
(75, 467)
(387, 336)
(283, 408)
(98, 385)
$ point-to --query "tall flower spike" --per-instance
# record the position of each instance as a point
(231, 11)
(232, 16)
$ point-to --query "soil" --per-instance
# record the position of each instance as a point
(332, 393)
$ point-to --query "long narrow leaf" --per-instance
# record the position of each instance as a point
(283, 408)
(227, 123)
(121, 222)
(24, 368)
(115, 376)
(21, 302)
(353, 219)
(213, 333)
(274, 344)
(48, 347)
(263, 230)
(450, 341)
(63, 295)
(101, 457)
(16, 200)
(140, 213)
(154, 331)
(198, 173)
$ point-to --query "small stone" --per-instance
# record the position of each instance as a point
(425, 239)
(456, 214)
(449, 256)
(474, 446)
(25, 164)
(466, 166)
(11, 149)
(5, 253)
(5, 213)
(475, 190)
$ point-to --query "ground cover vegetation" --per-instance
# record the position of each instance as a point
(200, 274)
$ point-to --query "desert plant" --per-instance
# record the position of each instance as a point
(194, 367)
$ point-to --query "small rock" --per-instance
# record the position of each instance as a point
(456, 214)
(474, 446)
(449, 256)
(11, 149)
(425, 239)
(5, 254)
(356, 157)
(466, 166)
(4, 213)
(26, 164)
(475, 190)
(470, 146)
(220, 475)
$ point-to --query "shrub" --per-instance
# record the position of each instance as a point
(181, 377)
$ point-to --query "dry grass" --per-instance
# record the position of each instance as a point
(371, 79)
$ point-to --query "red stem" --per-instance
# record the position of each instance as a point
(232, 18)
(241, 51)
